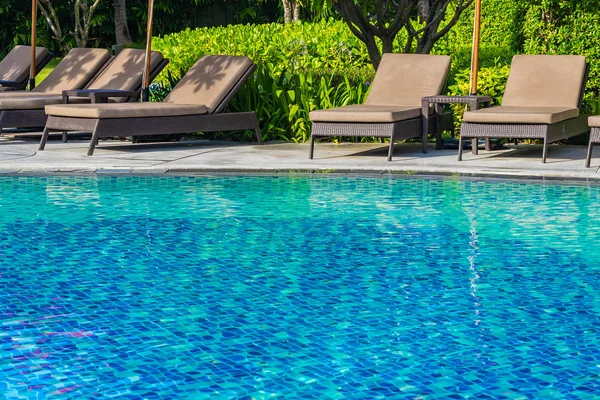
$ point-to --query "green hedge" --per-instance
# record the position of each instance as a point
(501, 38)
(501, 35)
(302, 67)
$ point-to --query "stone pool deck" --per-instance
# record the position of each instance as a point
(19, 155)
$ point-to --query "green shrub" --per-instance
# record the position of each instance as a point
(501, 35)
(491, 82)
(308, 66)
(300, 68)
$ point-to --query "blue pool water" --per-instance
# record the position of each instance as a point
(297, 287)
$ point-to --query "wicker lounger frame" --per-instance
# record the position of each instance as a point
(550, 133)
(594, 139)
(400, 130)
(36, 118)
(217, 121)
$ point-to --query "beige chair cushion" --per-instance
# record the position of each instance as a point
(127, 110)
(545, 81)
(594, 121)
(22, 93)
(74, 71)
(365, 113)
(404, 79)
(28, 103)
(521, 115)
(15, 66)
(28, 100)
(8, 100)
(36, 101)
(125, 71)
(209, 80)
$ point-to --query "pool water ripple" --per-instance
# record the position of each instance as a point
(298, 287)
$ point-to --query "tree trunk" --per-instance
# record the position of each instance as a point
(373, 50)
(387, 44)
(389, 17)
(83, 20)
(122, 35)
(296, 11)
(287, 11)
(52, 19)
(423, 8)
(424, 46)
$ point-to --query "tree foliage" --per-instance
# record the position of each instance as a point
(58, 31)
(378, 22)
(83, 12)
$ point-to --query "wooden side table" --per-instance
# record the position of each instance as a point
(474, 103)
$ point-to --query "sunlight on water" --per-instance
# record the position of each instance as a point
(298, 287)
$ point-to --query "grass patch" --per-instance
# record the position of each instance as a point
(47, 69)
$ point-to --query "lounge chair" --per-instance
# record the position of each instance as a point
(196, 104)
(393, 107)
(542, 100)
(119, 80)
(14, 68)
(26, 109)
(594, 123)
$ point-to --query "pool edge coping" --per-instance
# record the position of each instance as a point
(374, 173)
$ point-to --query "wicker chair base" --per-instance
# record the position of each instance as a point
(549, 133)
(412, 128)
(22, 119)
(594, 139)
(124, 127)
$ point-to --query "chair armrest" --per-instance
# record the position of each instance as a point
(471, 99)
(98, 95)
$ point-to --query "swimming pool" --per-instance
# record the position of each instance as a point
(298, 287)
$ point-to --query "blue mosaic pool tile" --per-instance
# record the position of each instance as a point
(295, 287)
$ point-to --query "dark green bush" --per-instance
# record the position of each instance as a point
(306, 67)
(491, 81)
(501, 35)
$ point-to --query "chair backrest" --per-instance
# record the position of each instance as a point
(126, 70)
(74, 71)
(15, 66)
(404, 79)
(545, 81)
(210, 80)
